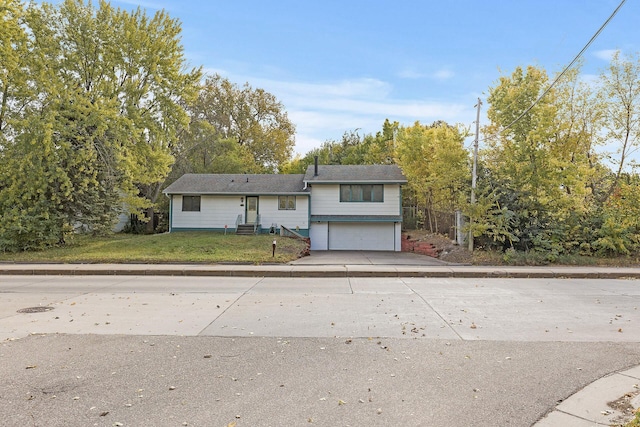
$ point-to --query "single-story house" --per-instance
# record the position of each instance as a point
(339, 207)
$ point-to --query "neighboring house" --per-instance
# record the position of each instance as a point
(340, 207)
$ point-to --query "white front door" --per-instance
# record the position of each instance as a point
(252, 210)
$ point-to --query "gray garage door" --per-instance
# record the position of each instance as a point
(361, 236)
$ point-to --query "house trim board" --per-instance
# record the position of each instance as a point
(231, 230)
(356, 218)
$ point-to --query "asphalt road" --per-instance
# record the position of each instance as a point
(214, 351)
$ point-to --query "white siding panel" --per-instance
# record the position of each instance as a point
(398, 235)
(362, 236)
(270, 214)
(218, 211)
(318, 233)
(215, 212)
(326, 201)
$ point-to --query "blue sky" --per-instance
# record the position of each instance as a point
(343, 65)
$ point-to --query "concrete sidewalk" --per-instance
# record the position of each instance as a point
(591, 406)
(319, 270)
(326, 264)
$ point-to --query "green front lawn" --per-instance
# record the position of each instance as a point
(204, 247)
(635, 422)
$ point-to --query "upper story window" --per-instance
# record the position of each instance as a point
(190, 203)
(361, 193)
(287, 203)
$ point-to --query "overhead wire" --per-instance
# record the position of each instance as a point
(564, 71)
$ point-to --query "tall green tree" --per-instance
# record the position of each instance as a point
(200, 150)
(52, 180)
(137, 60)
(351, 149)
(620, 93)
(28, 204)
(380, 149)
(538, 157)
(97, 105)
(253, 117)
(542, 160)
(436, 164)
(518, 140)
(14, 75)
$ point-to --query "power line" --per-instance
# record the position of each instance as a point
(567, 68)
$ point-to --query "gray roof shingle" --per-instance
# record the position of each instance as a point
(284, 184)
(236, 184)
(355, 174)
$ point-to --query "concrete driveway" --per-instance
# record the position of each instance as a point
(367, 258)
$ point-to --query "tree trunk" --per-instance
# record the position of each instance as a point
(150, 224)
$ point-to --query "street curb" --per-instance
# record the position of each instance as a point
(319, 271)
(590, 405)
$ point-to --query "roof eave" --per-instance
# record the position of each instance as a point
(355, 181)
(238, 193)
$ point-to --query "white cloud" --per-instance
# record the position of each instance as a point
(443, 74)
(306, 143)
(143, 4)
(315, 127)
(356, 88)
(606, 54)
(412, 73)
(325, 110)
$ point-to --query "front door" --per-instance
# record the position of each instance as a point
(252, 210)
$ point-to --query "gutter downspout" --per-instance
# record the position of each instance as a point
(170, 213)
(309, 214)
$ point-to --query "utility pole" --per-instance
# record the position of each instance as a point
(474, 172)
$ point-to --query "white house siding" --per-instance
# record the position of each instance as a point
(326, 201)
(218, 211)
(215, 213)
(319, 235)
(398, 237)
(270, 214)
(372, 235)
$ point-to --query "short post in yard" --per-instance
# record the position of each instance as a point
(273, 252)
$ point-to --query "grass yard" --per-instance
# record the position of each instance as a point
(635, 422)
(201, 247)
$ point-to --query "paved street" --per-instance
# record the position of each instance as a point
(212, 351)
